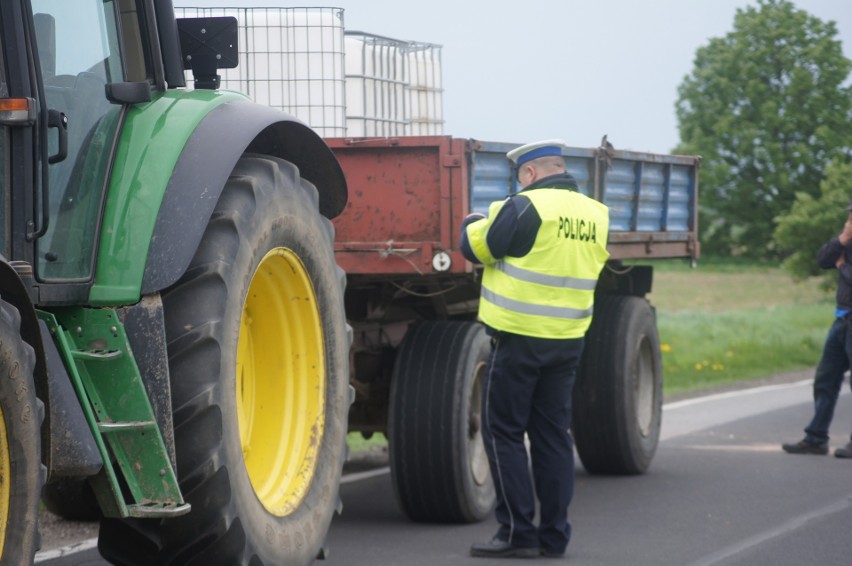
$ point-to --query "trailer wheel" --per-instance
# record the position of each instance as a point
(618, 396)
(438, 463)
(21, 471)
(258, 353)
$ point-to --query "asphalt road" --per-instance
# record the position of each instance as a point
(720, 492)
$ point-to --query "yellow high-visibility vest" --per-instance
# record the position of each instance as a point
(548, 293)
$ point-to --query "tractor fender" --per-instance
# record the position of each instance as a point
(223, 136)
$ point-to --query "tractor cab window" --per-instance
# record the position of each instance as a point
(78, 50)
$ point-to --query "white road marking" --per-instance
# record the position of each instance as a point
(360, 476)
(692, 415)
(81, 546)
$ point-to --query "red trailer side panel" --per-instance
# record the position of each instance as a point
(407, 196)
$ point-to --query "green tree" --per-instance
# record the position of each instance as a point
(812, 221)
(767, 109)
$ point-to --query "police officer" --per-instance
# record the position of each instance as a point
(542, 251)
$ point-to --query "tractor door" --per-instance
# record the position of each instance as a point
(77, 43)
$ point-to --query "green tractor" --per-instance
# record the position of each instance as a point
(173, 345)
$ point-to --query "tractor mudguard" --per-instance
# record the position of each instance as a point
(209, 156)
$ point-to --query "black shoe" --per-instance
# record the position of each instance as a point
(804, 447)
(845, 452)
(496, 548)
(552, 554)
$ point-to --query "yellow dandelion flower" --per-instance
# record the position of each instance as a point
(665, 348)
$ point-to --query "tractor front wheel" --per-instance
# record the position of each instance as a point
(21, 470)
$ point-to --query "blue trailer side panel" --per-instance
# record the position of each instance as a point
(652, 198)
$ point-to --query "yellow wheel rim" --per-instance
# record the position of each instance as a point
(281, 382)
(5, 480)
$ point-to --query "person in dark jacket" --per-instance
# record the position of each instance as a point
(542, 251)
(837, 352)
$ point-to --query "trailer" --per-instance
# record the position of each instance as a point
(418, 356)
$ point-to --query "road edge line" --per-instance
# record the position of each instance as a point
(736, 393)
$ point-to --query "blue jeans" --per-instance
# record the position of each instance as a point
(836, 359)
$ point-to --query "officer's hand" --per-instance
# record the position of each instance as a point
(840, 261)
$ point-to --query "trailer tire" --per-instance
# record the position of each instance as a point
(21, 469)
(618, 396)
(438, 463)
(258, 355)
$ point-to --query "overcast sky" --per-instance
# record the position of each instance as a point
(519, 71)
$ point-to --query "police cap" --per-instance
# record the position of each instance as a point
(530, 151)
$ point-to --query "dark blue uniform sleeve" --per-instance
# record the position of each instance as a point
(515, 228)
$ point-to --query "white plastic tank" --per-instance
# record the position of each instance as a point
(424, 89)
(291, 59)
(375, 86)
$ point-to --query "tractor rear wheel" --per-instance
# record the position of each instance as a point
(258, 354)
(21, 470)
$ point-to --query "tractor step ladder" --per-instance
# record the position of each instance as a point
(108, 383)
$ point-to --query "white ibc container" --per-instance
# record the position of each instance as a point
(291, 59)
(375, 86)
(424, 90)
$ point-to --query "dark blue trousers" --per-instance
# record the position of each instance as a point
(835, 360)
(527, 389)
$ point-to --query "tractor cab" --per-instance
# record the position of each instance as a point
(76, 66)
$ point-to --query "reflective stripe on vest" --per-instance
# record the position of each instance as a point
(533, 309)
(545, 279)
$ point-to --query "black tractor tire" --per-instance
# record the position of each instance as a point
(618, 397)
(21, 471)
(438, 463)
(258, 353)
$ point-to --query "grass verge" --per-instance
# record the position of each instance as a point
(724, 323)
(701, 350)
